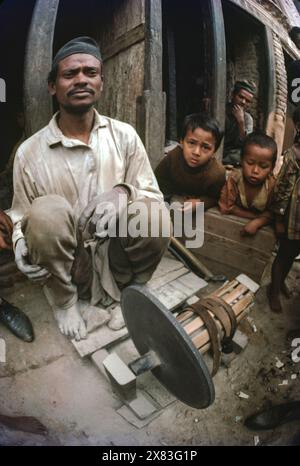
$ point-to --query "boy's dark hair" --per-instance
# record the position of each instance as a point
(294, 32)
(262, 140)
(205, 122)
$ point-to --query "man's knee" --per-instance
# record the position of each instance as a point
(154, 223)
(49, 217)
(152, 218)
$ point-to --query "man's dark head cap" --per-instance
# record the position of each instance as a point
(83, 44)
(249, 86)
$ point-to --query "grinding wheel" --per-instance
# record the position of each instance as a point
(153, 328)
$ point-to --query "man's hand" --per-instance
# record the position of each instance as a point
(6, 229)
(35, 273)
(238, 113)
(104, 211)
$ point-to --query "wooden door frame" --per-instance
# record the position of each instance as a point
(38, 60)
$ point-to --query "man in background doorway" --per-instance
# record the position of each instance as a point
(238, 121)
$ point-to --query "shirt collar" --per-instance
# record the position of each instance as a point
(55, 135)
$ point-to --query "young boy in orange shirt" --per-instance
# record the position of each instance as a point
(248, 190)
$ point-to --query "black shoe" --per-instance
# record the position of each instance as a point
(274, 416)
(16, 321)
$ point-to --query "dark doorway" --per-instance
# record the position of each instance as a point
(15, 17)
(187, 60)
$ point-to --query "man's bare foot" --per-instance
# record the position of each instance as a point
(116, 320)
(70, 322)
(274, 300)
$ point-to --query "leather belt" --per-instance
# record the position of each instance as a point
(224, 313)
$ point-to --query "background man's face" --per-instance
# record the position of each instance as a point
(79, 83)
(242, 98)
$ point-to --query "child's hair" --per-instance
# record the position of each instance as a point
(263, 141)
(205, 122)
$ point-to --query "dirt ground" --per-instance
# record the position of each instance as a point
(48, 379)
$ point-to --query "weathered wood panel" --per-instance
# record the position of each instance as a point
(151, 114)
(125, 41)
(219, 65)
(229, 226)
(223, 244)
(123, 83)
(38, 59)
(121, 16)
(232, 253)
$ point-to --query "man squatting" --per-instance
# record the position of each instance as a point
(62, 176)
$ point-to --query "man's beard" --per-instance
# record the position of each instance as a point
(78, 109)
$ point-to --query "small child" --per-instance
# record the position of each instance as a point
(248, 190)
(286, 206)
(191, 169)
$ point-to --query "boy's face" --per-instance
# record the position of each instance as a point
(198, 147)
(256, 164)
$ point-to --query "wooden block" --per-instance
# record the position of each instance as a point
(122, 378)
(236, 247)
(223, 244)
(243, 303)
(232, 253)
(234, 294)
(183, 316)
(155, 389)
(229, 226)
(246, 281)
(169, 277)
(178, 291)
(98, 358)
(228, 286)
(240, 341)
(141, 406)
(166, 265)
(127, 414)
(98, 339)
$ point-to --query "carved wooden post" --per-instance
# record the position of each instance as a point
(38, 58)
(151, 118)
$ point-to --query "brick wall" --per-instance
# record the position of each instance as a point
(246, 60)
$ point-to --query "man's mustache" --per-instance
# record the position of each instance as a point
(78, 89)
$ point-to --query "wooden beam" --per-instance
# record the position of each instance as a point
(38, 59)
(151, 105)
(219, 65)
